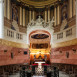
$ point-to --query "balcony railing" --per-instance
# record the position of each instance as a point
(14, 36)
(65, 35)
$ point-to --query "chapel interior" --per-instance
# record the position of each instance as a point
(38, 38)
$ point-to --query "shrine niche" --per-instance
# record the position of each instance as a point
(15, 18)
(40, 12)
(64, 16)
(15, 13)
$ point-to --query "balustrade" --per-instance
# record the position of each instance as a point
(14, 36)
(65, 35)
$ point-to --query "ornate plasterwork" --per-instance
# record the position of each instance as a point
(40, 24)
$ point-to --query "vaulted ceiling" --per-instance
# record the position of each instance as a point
(38, 3)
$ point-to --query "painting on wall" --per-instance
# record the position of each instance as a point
(15, 17)
(15, 13)
(39, 36)
(64, 16)
(40, 46)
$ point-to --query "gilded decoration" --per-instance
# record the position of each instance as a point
(38, 0)
(38, 3)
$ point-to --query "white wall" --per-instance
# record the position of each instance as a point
(1, 19)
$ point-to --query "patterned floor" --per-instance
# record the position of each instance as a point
(39, 71)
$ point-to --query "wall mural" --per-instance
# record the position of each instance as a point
(39, 36)
(15, 13)
(40, 12)
(14, 17)
(64, 17)
(40, 46)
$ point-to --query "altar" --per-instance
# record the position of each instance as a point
(40, 63)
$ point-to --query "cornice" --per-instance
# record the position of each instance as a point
(66, 43)
(13, 44)
(38, 4)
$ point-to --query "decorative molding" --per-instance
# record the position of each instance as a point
(13, 44)
(64, 35)
(40, 24)
(38, 4)
(63, 44)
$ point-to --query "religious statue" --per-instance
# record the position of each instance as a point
(45, 57)
(64, 18)
(40, 57)
(14, 13)
(34, 56)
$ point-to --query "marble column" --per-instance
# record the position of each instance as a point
(74, 8)
(55, 18)
(5, 12)
(58, 15)
(8, 10)
(48, 14)
(30, 16)
(24, 17)
(21, 16)
(33, 15)
(70, 13)
(45, 15)
(1, 19)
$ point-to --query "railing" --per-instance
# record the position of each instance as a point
(65, 35)
(14, 36)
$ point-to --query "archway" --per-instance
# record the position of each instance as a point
(40, 45)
